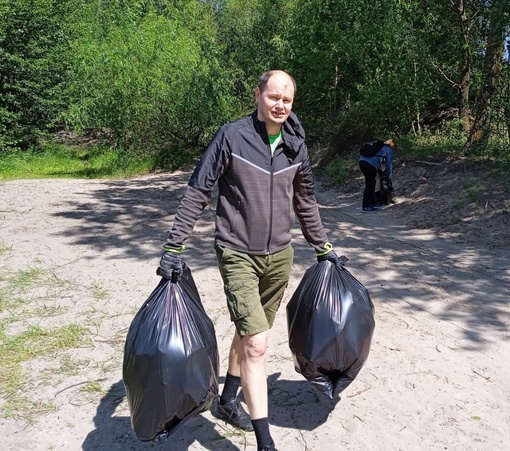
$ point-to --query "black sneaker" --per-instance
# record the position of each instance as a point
(233, 413)
(269, 448)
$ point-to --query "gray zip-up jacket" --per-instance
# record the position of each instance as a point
(260, 194)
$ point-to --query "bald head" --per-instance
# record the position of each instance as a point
(282, 75)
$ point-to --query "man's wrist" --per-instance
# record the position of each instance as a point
(177, 250)
(328, 247)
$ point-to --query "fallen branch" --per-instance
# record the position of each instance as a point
(487, 378)
(427, 162)
(359, 392)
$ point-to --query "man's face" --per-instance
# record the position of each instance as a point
(274, 103)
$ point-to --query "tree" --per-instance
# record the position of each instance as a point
(505, 89)
(361, 67)
(150, 76)
(465, 62)
(497, 20)
(253, 36)
(32, 68)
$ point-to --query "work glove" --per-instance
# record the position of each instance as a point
(170, 265)
(332, 257)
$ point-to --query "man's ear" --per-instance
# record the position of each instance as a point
(257, 94)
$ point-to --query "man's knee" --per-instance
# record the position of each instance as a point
(254, 346)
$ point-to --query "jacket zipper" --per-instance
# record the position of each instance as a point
(270, 203)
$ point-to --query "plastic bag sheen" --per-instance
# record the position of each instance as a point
(171, 360)
(330, 321)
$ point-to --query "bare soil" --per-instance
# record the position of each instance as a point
(436, 263)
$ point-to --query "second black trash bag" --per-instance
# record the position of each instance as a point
(330, 322)
(171, 360)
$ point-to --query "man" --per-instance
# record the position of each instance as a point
(370, 166)
(264, 176)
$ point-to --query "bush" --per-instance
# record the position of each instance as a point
(150, 82)
(338, 171)
(32, 69)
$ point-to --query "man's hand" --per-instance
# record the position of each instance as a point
(170, 265)
(333, 258)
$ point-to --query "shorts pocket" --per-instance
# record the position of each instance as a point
(238, 299)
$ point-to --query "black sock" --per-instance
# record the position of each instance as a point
(230, 388)
(262, 434)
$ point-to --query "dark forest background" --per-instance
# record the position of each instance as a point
(157, 77)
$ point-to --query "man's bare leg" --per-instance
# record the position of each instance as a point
(254, 383)
(253, 373)
(234, 357)
(229, 408)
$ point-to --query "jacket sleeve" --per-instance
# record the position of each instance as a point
(388, 163)
(306, 208)
(200, 188)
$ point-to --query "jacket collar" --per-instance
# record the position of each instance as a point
(293, 132)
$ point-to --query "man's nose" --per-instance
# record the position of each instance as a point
(280, 103)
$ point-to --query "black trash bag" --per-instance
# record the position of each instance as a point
(171, 360)
(330, 322)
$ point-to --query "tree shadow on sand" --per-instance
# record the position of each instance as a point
(115, 432)
(296, 404)
(292, 404)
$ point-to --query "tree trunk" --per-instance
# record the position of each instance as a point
(465, 70)
(481, 130)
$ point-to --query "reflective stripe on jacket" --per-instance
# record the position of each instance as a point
(259, 194)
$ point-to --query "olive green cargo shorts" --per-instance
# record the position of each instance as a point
(254, 285)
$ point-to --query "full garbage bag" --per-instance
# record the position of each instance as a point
(171, 360)
(330, 322)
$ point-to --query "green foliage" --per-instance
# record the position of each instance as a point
(429, 145)
(154, 80)
(338, 171)
(473, 192)
(255, 38)
(57, 160)
(160, 77)
(32, 69)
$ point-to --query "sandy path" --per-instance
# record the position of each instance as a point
(436, 377)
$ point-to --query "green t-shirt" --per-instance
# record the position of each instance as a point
(274, 140)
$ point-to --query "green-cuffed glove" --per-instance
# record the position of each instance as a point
(331, 256)
(171, 264)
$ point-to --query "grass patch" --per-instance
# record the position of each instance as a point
(337, 171)
(5, 248)
(35, 280)
(70, 367)
(451, 145)
(473, 192)
(26, 278)
(23, 344)
(95, 161)
(37, 342)
(19, 405)
(93, 387)
(99, 293)
(430, 146)
(56, 160)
